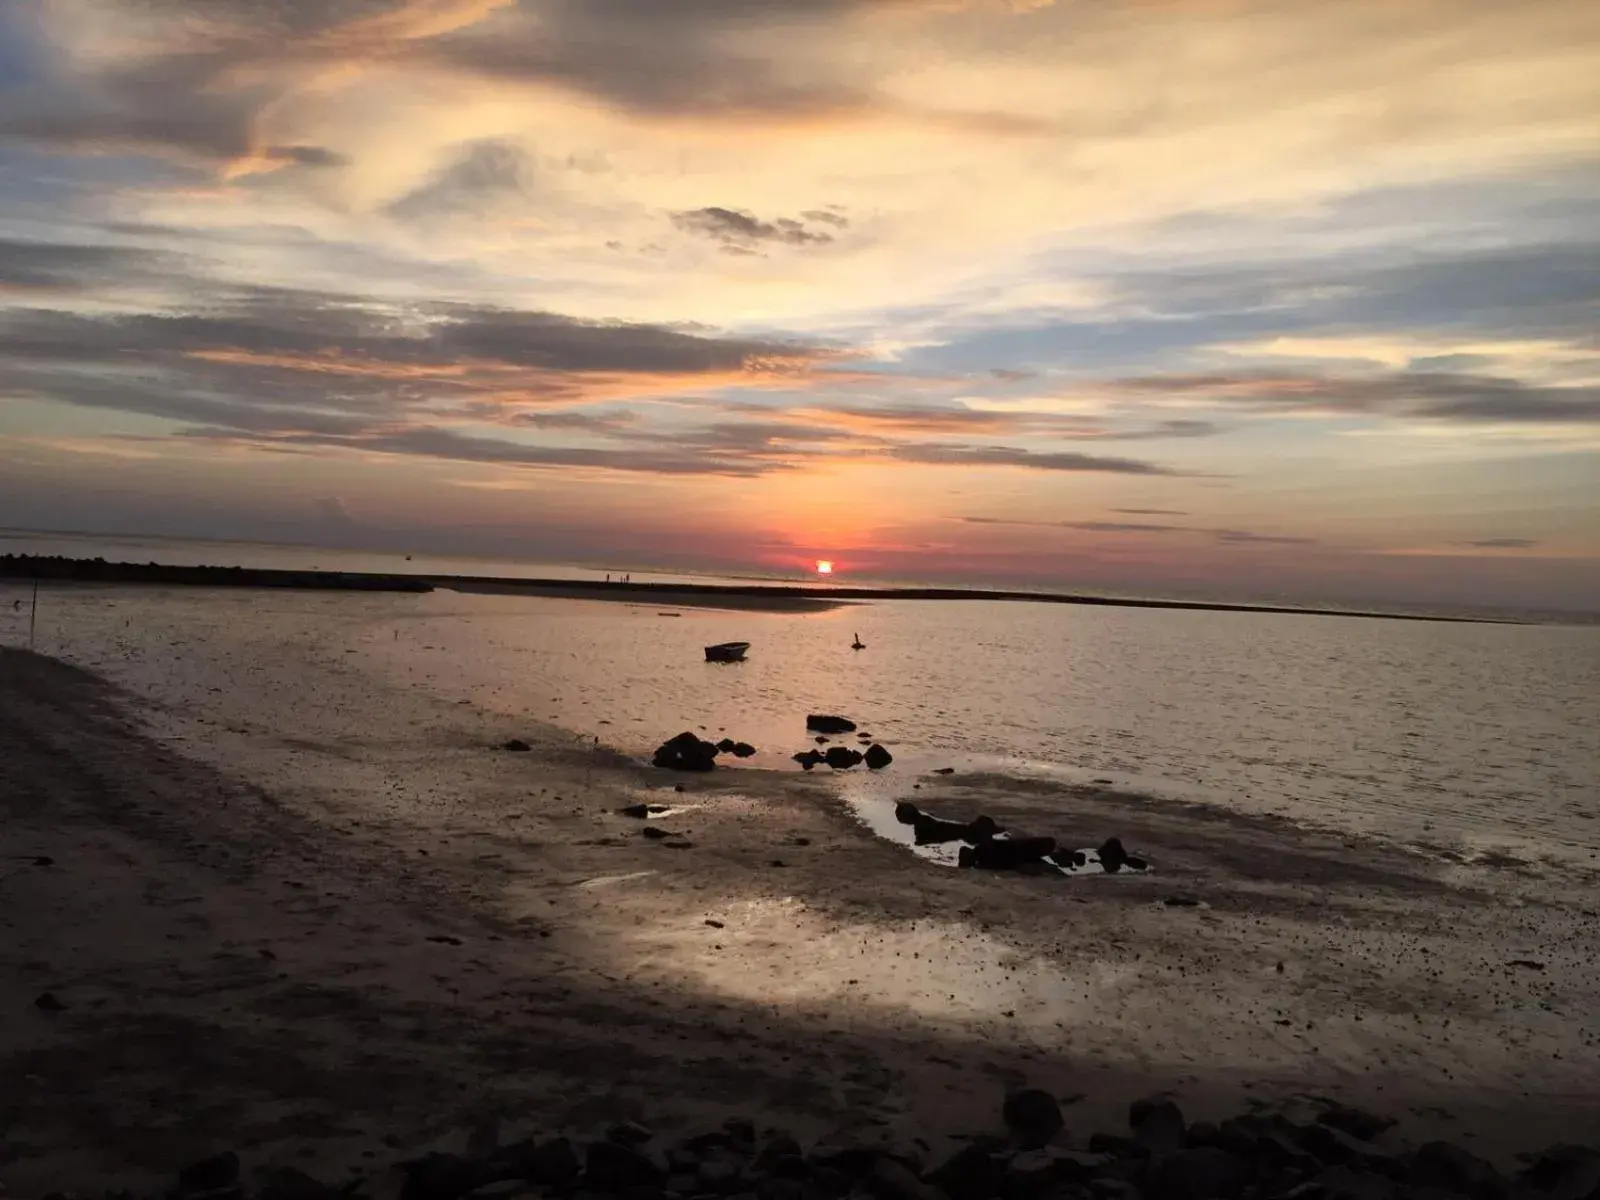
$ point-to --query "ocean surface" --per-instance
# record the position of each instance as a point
(1474, 737)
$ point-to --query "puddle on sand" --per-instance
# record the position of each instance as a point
(872, 800)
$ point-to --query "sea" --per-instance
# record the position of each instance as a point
(1477, 736)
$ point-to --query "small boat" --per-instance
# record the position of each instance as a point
(727, 652)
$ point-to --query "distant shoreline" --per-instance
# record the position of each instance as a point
(769, 597)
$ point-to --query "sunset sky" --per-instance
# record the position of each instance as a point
(1278, 297)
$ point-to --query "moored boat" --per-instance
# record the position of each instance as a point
(727, 652)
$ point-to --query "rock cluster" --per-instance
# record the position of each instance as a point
(841, 758)
(1344, 1154)
(689, 752)
(989, 848)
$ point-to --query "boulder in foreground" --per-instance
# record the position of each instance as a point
(877, 757)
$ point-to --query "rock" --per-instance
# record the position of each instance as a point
(1580, 1180)
(48, 1002)
(1033, 1174)
(777, 1153)
(809, 758)
(742, 1131)
(43, 860)
(1548, 1167)
(553, 1163)
(1032, 1117)
(743, 750)
(210, 1174)
(822, 723)
(931, 831)
(893, 1180)
(1157, 1125)
(686, 752)
(821, 741)
(725, 745)
(877, 757)
(1337, 1148)
(719, 1175)
(1204, 1173)
(629, 1133)
(842, 758)
(1112, 856)
(656, 834)
(1007, 854)
(944, 770)
(610, 1167)
(907, 813)
(518, 745)
(714, 923)
(1115, 1145)
(442, 1177)
(289, 1183)
(1356, 1122)
(971, 1173)
(1443, 1165)
(1346, 1183)
(1182, 902)
(1201, 1133)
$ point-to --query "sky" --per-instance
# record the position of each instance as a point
(1270, 296)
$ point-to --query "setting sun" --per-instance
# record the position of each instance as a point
(824, 567)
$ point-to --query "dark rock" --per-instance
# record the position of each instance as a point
(809, 758)
(289, 1183)
(944, 770)
(518, 745)
(877, 757)
(443, 939)
(777, 1152)
(1549, 1166)
(1580, 1180)
(553, 1162)
(1032, 1117)
(726, 744)
(891, 1179)
(1356, 1122)
(1112, 856)
(842, 758)
(971, 1173)
(611, 1167)
(742, 1131)
(686, 752)
(43, 860)
(1202, 1133)
(931, 831)
(48, 1002)
(823, 723)
(743, 750)
(1443, 1165)
(442, 1177)
(629, 1133)
(210, 1174)
(1157, 1125)
(907, 813)
(637, 811)
(1007, 854)
(1033, 1174)
(719, 1175)
(1204, 1173)
(1182, 902)
(1337, 1148)
(715, 924)
(1347, 1183)
(1115, 1145)
(656, 834)
(821, 741)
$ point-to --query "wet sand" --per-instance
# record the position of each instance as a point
(299, 911)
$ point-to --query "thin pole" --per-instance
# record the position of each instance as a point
(33, 613)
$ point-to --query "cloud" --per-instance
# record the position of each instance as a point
(1152, 512)
(742, 232)
(1441, 396)
(1230, 536)
(1503, 543)
(483, 178)
(47, 266)
(936, 419)
(945, 454)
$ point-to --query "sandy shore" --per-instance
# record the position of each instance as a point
(330, 920)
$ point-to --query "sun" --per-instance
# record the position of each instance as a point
(824, 567)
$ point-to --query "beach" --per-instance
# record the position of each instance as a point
(302, 907)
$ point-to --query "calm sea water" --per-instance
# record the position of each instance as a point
(1482, 735)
